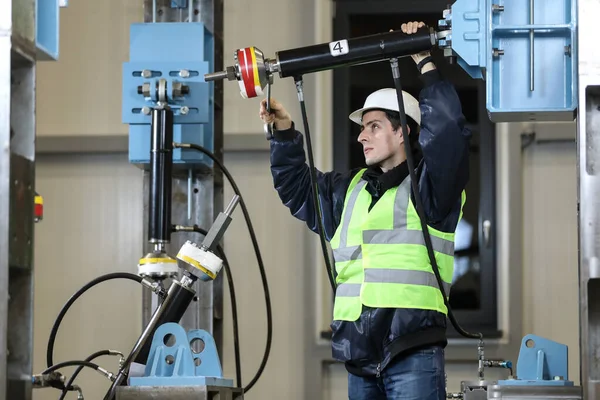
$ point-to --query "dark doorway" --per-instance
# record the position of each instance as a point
(473, 297)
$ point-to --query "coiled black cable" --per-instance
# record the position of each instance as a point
(69, 303)
(261, 266)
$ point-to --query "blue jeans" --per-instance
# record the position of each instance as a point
(417, 376)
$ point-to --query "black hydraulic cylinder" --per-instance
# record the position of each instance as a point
(161, 166)
(171, 309)
(379, 47)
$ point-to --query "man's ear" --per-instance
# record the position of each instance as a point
(399, 131)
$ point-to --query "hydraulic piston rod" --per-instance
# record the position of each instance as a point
(253, 71)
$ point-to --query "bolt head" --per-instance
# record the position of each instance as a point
(146, 73)
(184, 73)
(146, 89)
(146, 110)
(176, 89)
(184, 110)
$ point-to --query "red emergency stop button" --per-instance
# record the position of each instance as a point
(38, 211)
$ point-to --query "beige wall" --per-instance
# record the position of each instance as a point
(550, 279)
(93, 210)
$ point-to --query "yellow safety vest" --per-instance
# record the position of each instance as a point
(380, 256)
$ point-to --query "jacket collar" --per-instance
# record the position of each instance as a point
(378, 182)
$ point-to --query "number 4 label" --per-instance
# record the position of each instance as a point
(338, 48)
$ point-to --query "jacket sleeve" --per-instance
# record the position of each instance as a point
(444, 141)
(291, 178)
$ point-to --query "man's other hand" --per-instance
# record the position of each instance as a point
(278, 115)
(410, 28)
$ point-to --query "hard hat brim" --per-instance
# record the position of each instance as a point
(356, 116)
(385, 99)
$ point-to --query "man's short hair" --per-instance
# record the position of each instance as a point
(394, 118)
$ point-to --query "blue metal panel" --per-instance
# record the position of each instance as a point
(493, 41)
(46, 29)
(541, 362)
(162, 51)
(171, 361)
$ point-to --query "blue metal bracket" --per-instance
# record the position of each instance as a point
(541, 362)
(526, 50)
(47, 13)
(176, 55)
(172, 362)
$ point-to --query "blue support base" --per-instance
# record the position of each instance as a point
(171, 361)
(492, 40)
(179, 54)
(541, 362)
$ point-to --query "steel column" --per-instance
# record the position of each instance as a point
(17, 189)
(206, 186)
(588, 156)
(4, 188)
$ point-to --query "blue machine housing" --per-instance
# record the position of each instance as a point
(47, 29)
(172, 362)
(541, 362)
(166, 49)
(492, 42)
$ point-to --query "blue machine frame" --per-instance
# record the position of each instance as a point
(179, 53)
(525, 50)
(47, 29)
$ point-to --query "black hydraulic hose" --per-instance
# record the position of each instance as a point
(261, 266)
(314, 184)
(65, 364)
(69, 384)
(234, 311)
(69, 303)
(419, 204)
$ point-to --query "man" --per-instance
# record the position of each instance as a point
(389, 315)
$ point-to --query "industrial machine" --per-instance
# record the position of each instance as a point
(535, 57)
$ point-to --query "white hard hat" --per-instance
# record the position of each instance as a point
(386, 99)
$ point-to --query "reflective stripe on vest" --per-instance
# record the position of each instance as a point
(380, 255)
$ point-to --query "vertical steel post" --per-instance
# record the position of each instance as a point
(5, 57)
(17, 192)
(588, 157)
(206, 186)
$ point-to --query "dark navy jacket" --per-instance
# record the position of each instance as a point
(370, 343)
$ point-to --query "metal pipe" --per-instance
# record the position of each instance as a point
(189, 204)
(232, 204)
(531, 46)
(190, 8)
(153, 10)
(481, 359)
(217, 230)
(161, 165)
(171, 309)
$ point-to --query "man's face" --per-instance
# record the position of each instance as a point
(381, 144)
